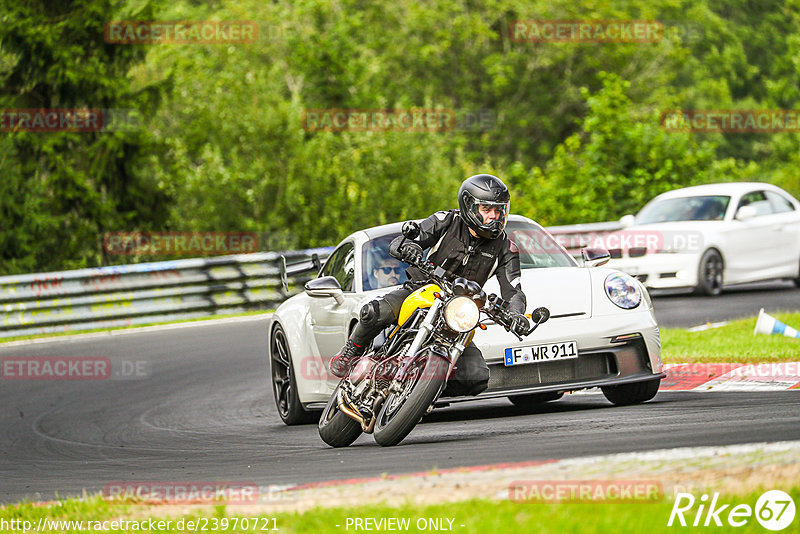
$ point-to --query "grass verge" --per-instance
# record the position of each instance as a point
(734, 342)
(473, 516)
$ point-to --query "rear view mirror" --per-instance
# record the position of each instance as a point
(595, 257)
(627, 221)
(411, 230)
(327, 286)
(745, 213)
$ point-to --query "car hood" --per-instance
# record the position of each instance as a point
(565, 291)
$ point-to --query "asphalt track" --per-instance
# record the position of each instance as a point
(203, 411)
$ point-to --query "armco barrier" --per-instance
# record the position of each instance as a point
(145, 293)
(171, 290)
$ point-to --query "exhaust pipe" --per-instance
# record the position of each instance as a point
(352, 412)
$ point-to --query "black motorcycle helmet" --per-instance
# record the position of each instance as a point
(487, 191)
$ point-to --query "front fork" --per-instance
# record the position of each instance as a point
(425, 330)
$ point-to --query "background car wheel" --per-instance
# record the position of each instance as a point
(709, 273)
(531, 401)
(335, 428)
(797, 280)
(284, 383)
(628, 394)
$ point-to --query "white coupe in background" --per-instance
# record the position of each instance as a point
(601, 332)
(709, 236)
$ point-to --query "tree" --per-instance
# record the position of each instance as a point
(66, 188)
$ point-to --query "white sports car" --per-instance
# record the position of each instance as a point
(707, 236)
(602, 331)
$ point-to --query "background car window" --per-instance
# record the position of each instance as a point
(780, 204)
(376, 261)
(699, 208)
(341, 265)
(758, 201)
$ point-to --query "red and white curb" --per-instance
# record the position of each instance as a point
(774, 376)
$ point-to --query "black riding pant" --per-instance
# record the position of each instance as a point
(471, 374)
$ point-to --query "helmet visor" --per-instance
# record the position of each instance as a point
(491, 212)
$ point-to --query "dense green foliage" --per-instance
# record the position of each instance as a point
(576, 130)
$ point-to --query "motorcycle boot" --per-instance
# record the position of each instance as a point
(340, 364)
(374, 317)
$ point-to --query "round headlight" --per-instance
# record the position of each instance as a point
(461, 314)
(623, 290)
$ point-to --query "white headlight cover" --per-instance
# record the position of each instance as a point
(461, 314)
(623, 290)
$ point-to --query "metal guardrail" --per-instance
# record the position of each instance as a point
(181, 289)
(146, 293)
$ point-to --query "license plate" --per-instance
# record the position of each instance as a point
(564, 350)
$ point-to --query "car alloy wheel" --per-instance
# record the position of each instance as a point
(709, 276)
(284, 384)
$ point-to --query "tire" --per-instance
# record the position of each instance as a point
(284, 382)
(395, 422)
(532, 400)
(628, 394)
(335, 428)
(797, 280)
(709, 274)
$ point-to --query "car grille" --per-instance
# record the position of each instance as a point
(584, 367)
(637, 252)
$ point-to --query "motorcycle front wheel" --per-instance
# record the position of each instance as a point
(335, 428)
(401, 412)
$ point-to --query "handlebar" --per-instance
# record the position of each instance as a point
(495, 307)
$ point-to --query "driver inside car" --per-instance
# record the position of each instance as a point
(469, 242)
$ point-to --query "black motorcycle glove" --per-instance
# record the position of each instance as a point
(520, 324)
(408, 252)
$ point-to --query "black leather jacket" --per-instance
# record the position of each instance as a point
(453, 248)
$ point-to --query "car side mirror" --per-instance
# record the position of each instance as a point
(595, 257)
(326, 286)
(745, 213)
(627, 221)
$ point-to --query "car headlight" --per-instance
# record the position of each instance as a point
(461, 314)
(623, 290)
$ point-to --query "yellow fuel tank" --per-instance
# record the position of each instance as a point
(421, 298)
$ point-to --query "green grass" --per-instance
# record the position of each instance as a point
(734, 342)
(475, 516)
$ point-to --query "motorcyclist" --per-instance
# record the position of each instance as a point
(468, 242)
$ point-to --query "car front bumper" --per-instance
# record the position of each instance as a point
(660, 271)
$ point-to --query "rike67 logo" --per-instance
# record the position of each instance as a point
(774, 510)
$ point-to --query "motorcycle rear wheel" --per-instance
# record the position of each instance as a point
(395, 421)
(335, 428)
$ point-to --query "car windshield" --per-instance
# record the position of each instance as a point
(379, 268)
(701, 208)
(537, 248)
